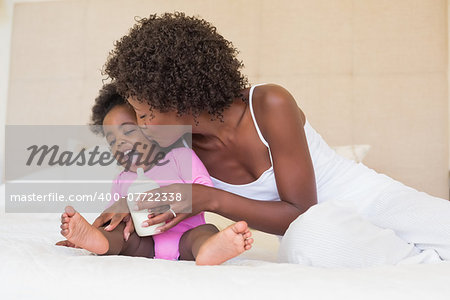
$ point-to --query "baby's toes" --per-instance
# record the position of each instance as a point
(248, 244)
(240, 227)
(247, 234)
(70, 211)
(64, 226)
(65, 232)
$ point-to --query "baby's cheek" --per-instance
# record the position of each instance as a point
(118, 156)
(114, 152)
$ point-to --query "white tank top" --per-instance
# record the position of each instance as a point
(263, 188)
(328, 166)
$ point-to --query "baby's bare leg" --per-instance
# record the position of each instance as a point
(210, 247)
(193, 239)
(81, 234)
(135, 246)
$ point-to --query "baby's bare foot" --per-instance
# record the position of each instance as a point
(225, 244)
(81, 234)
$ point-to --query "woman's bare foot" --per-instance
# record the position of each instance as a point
(80, 233)
(225, 244)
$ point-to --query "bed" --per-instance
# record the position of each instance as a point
(47, 61)
(32, 267)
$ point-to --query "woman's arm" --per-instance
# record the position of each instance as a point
(268, 216)
(281, 123)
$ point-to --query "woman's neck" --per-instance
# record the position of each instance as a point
(207, 133)
(231, 119)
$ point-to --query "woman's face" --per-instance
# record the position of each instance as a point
(164, 128)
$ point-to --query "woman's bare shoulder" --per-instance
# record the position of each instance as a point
(269, 98)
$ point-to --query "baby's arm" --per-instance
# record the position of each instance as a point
(116, 211)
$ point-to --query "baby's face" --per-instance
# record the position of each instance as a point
(128, 145)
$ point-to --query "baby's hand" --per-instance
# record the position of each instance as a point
(66, 243)
(116, 213)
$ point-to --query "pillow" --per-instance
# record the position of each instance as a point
(353, 152)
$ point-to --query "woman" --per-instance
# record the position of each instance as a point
(269, 166)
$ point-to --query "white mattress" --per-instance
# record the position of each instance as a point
(32, 267)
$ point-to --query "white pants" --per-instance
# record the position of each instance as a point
(401, 225)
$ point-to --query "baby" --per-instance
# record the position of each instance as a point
(191, 239)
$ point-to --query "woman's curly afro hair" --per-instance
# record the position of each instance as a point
(177, 63)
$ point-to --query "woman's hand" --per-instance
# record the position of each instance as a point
(116, 213)
(173, 203)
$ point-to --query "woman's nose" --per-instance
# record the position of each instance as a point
(141, 123)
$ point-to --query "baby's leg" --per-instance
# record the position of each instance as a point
(209, 247)
(193, 239)
(81, 234)
(135, 246)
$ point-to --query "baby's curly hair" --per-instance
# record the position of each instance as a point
(105, 101)
(177, 63)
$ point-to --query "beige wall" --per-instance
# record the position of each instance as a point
(364, 71)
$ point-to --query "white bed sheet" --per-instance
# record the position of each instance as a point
(32, 267)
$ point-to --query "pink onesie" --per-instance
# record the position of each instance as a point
(176, 170)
